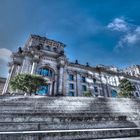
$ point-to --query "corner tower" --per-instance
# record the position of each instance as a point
(43, 56)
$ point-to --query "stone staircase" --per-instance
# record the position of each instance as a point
(68, 118)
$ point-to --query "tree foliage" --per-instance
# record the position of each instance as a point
(87, 93)
(28, 83)
(126, 88)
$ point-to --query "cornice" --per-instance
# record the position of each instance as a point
(47, 41)
(101, 70)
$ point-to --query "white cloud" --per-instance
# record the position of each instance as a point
(137, 30)
(130, 38)
(4, 59)
(5, 54)
(118, 24)
(131, 32)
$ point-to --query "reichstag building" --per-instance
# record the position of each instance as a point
(46, 57)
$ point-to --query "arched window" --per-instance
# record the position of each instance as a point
(113, 93)
(46, 72)
(48, 48)
(55, 49)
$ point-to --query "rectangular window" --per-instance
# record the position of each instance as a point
(71, 86)
(94, 80)
(71, 77)
(71, 93)
(95, 89)
(84, 88)
(83, 79)
(137, 95)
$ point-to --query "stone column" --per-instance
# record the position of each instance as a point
(33, 67)
(5, 89)
(78, 87)
(18, 69)
(53, 88)
(34, 62)
(107, 88)
(103, 85)
(60, 88)
(102, 92)
(50, 88)
(32, 70)
(26, 65)
(64, 82)
(55, 84)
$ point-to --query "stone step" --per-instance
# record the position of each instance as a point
(69, 103)
(26, 126)
(126, 138)
(59, 103)
(69, 113)
(64, 111)
(66, 99)
(81, 134)
(42, 117)
(76, 104)
(67, 110)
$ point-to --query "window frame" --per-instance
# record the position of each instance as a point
(96, 89)
(71, 77)
(72, 93)
(84, 88)
(83, 79)
(94, 80)
(45, 72)
(71, 86)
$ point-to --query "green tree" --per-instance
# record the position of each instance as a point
(87, 93)
(126, 88)
(28, 83)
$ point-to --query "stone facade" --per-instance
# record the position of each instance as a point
(46, 57)
(133, 70)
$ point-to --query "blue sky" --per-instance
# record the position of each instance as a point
(95, 31)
